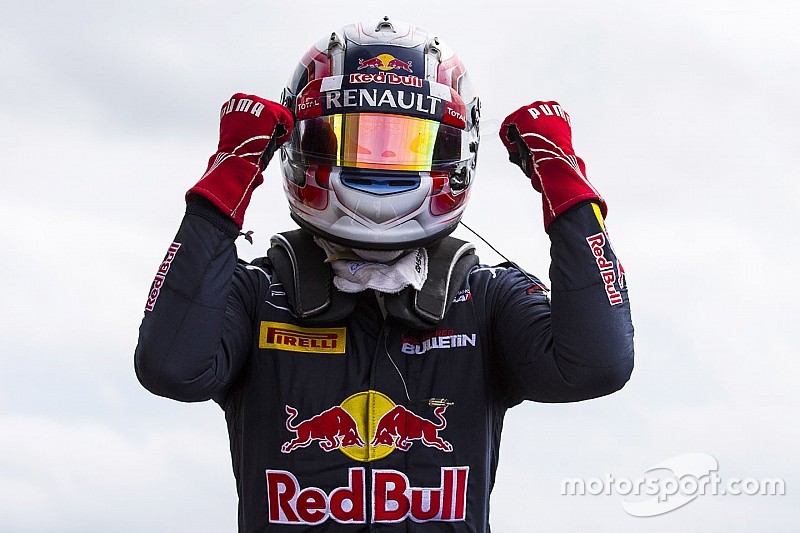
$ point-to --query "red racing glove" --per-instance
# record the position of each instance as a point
(538, 138)
(250, 130)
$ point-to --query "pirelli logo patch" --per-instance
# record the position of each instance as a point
(280, 336)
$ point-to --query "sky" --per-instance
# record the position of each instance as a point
(685, 113)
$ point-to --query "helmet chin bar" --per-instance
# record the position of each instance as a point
(382, 246)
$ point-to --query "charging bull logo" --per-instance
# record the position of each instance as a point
(400, 426)
(334, 428)
(385, 62)
(366, 427)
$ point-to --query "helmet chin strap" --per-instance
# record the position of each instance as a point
(380, 256)
(335, 251)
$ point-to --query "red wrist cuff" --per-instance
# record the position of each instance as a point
(229, 184)
(563, 186)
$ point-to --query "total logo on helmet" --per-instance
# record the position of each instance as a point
(385, 62)
(366, 426)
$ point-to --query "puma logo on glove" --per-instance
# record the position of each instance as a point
(245, 105)
(251, 129)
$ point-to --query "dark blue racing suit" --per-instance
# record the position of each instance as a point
(330, 425)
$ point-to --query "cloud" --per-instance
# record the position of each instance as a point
(86, 477)
(684, 113)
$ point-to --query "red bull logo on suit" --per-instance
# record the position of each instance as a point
(597, 242)
(394, 499)
(334, 428)
(367, 426)
(400, 427)
(161, 275)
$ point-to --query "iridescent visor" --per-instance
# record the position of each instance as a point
(380, 141)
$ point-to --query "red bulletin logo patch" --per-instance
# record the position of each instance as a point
(597, 242)
(161, 276)
(444, 339)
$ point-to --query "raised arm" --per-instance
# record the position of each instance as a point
(578, 343)
(197, 326)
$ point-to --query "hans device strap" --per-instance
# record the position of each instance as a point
(308, 281)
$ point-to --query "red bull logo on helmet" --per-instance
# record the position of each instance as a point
(391, 79)
(366, 426)
(385, 62)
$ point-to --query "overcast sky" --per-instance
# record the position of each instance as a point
(686, 114)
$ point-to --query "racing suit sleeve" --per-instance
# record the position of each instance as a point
(578, 345)
(197, 326)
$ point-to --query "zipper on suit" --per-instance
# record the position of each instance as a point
(376, 356)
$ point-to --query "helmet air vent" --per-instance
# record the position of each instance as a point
(385, 25)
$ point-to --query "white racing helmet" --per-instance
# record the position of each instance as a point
(385, 142)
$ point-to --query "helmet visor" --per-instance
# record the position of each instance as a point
(379, 141)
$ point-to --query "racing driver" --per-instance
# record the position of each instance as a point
(366, 363)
